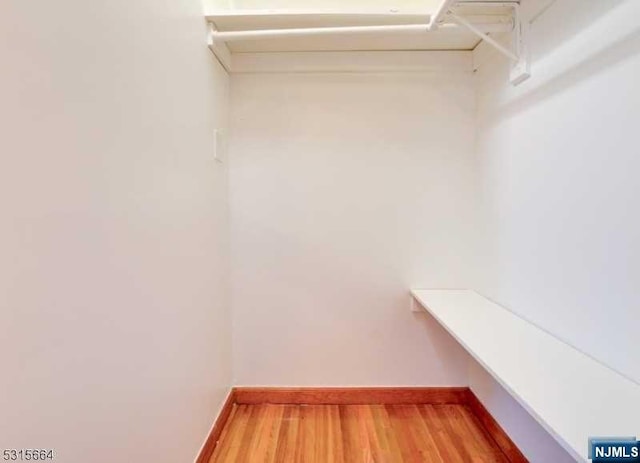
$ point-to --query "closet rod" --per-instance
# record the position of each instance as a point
(231, 36)
(228, 36)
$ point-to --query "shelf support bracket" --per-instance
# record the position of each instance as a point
(486, 37)
(442, 10)
(219, 48)
(521, 68)
(519, 53)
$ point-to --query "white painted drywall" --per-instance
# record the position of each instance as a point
(346, 190)
(557, 160)
(114, 319)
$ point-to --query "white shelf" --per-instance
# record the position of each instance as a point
(571, 395)
(453, 38)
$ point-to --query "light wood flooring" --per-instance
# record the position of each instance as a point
(355, 434)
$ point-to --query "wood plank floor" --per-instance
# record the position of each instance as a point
(355, 434)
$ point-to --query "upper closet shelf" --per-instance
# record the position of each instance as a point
(455, 26)
(571, 395)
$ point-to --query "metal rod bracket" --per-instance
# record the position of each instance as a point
(519, 54)
(219, 48)
(520, 69)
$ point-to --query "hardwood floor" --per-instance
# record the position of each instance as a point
(267, 433)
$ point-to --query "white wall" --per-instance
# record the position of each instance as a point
(558, 163)
(346, 190)
(114, 320)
